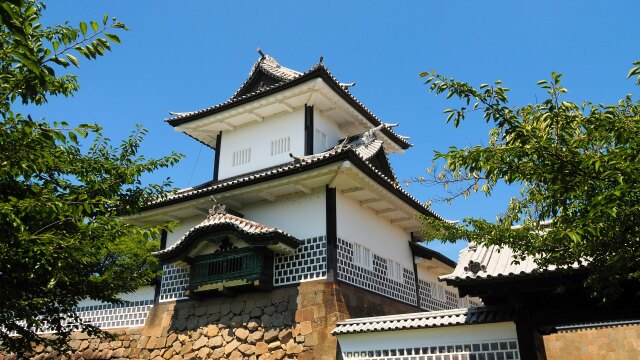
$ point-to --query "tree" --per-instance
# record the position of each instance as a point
(61, 203)
(578, 169)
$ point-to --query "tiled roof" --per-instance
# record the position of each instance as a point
(426, 253)
(479, 262)
(302, 163)
(245, 226)
(424, 320)
(290, 77)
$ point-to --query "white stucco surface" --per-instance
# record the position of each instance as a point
(327, 126)
(301, 215)
(258, 137)
(360, 224)
(427, 337)
(143, 293)
(182, 228)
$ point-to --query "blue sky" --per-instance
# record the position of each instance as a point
(188, 55)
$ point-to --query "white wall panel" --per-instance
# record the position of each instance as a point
(258, 137)
(301, 215)
(359, 224)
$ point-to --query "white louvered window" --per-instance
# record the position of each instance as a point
(241, 157)
(321, 139)
(394, 270)
(362, 256)
(280, 146)
(438, 292)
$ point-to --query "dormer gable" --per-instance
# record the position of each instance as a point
(265, 73)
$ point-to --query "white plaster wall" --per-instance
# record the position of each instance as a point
(301, 215)
(360, 224)
(143, 293)
(182, 228)
(429, 276)
(327, 126)
(427, 337)
(258, 137)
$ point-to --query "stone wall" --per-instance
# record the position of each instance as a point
(615, 342)
(290, 322)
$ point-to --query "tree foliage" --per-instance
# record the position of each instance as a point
(63, 190)
(578, 169)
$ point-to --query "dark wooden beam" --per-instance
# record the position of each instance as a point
(415, 277)
(308, 130)
(158, 281)
(332, 234)
(530, 343)
(216, 163)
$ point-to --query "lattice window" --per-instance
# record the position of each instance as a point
(241, 157)
(394, 270)
(321, 139)
(174, 282)
(362, 256)
(436, 297)
(308, 263)
(280, 146)
(376, 278)
(488, 350)
(131, 313)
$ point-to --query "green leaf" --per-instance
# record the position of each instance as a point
(105, 18)
(94, 26)
(112, 37)
(73, 60)
(83, 27)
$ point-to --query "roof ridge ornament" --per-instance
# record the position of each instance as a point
(262, 55)
(217, 208)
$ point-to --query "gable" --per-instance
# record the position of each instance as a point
(258, 82)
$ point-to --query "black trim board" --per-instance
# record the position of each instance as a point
(308, 130)
(332, 233)
(158, 280)
(216, 162)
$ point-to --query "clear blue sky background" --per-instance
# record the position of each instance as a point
(188, 55)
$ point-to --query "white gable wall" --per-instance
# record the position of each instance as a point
(258, 137)
(301, 215)
(328, 127)
(359, 224)
(185, 225)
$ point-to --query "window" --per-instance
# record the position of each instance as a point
(394, 270)
(321, 139)
(438, 292)
(241, 157)
(280, 146)
(362, 256)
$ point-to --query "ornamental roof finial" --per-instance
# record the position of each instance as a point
(217, 209)
(321, 59)
(262, 55)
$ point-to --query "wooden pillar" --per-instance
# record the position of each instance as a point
(308, 130)
(216, 163)
(530, 342)
(332, 234)
(158, 281)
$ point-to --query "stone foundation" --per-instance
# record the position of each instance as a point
(615, 342)
(291, 322)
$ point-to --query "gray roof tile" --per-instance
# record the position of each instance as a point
(479, 262)
(424, 320)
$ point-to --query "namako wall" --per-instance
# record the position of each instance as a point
(289, 322)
